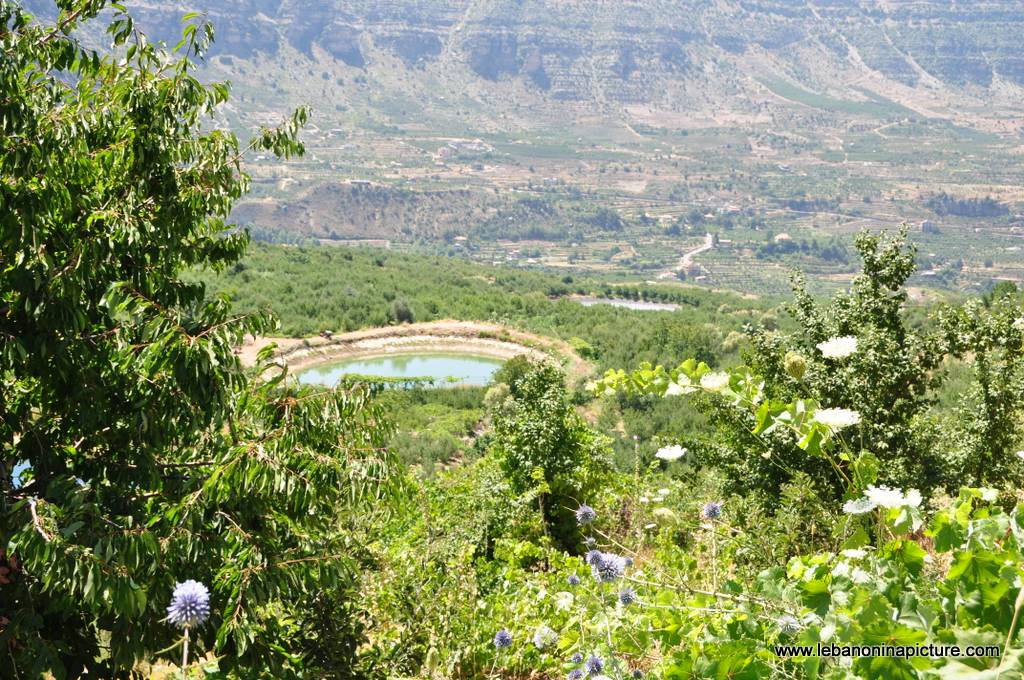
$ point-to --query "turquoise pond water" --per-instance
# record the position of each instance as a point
(453, 369)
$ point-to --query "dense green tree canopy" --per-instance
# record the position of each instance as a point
(145, 455)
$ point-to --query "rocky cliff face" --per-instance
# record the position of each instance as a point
(629, 51)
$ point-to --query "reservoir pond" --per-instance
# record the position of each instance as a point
(444, 369)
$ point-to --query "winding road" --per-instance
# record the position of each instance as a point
(687, 259)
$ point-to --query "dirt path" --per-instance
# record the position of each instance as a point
(471, 337)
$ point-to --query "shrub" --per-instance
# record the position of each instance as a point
(889, 376)
(544, 446)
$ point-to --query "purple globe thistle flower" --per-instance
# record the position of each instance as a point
(576, 658)
(608, 567)
(627, 596)
(590, 541)
(190, 604)
(585, 514)
(575, 674)
(573, 580)
(594, 664)
(592, 557)
(629, 561)
(711, 510)
(502, 639)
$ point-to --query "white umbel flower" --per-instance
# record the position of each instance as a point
(860, 577)
(838, 348)
(715, 382)
(674, 452)
(882, 497)
(885, 497)
(682, 385)
(836, 418)
(859, 506)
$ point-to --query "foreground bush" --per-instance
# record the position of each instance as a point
(660, 613)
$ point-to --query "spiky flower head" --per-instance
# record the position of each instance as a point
(585, 514)
(594, 664)
(592, 557)
(795, 365)
(627, 596)
(608, 567)
(190, 604)
(590, 541)
(502, 639)
(576, 658)
(711, 510)
(629, 561)
(637, 674)
(573, 580)
(575, 674)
